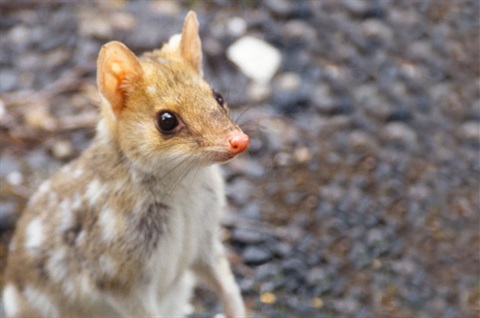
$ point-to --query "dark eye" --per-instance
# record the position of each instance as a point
(167, 122)
(218, 97)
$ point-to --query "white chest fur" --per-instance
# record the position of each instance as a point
(192, 218)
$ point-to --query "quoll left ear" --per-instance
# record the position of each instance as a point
(117, 70)
(190, 44)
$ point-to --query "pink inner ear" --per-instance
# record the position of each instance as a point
(116, 68)
(115, 63)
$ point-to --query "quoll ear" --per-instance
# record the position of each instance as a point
(190, 44)
(117, 71)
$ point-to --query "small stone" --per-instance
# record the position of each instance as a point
(470, 132)
(376, 264)
(213, 47)
(236, 26)
(376, 28)
(252, 211)
(322, 99)
(254, 255)
(268, 298)
(15, 178)
(299, 29)
(257, 92)
(3, 111)
(347, 307)
(282, 249)
(39, 117)
(95, 26)
(289, 95)
(302, 154)
(404, 267)
(62, 149)
(19, 35)
(166, 7)
(315, 275)
(282, 159)
(360, 140)
(246, 236)
(370, 100)
(257, 59)
(288, 81)
(282, 8)
(357, 7)
(400, 133)
(317, 302)
(123, 21)
(8, 80)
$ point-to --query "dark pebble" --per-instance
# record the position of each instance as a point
(246, 236)
(254, 255)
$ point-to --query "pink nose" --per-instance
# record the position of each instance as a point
(238, 143)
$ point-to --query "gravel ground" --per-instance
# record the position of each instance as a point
(359, 196)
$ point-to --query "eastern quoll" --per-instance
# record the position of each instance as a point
(127, 228)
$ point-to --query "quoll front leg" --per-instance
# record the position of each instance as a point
(215, 271)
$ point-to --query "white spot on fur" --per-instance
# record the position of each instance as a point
(10, 300)
(69, 288)
(85, 284)
(56, 265)
(102, 129)
(81, 237)
(77, 173)
(43, 190)
(77, 201)
(78, 285)
(66, 169)
(45, 187)
(138, 207)
(41, 302)
(173, 43)
(52, 198)
(34, 234)
(94, 192)
(108, 265)
(109, 223)
(66, 215)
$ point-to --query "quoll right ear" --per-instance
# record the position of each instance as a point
(118, 69)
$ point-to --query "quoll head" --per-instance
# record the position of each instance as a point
(158, 107)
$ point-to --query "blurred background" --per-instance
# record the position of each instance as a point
(359, 196)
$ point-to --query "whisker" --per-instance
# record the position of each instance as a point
(182, 158)
(237, 119)
(186, 170)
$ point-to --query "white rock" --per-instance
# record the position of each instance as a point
(62, 149)
(237, 26)
(400, 132)
(289, 81)
(3, 111)
(258, 92)
(15, 178)
(257, 59)
(470, 131)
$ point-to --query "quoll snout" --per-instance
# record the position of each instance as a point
(238, 143)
